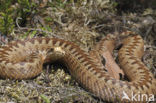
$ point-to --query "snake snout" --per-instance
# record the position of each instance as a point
(53, 54)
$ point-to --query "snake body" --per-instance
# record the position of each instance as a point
(24, 60)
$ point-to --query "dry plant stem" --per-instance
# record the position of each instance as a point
(24, 59)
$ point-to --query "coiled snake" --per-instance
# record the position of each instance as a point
(24, 59)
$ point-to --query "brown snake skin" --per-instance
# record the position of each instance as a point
(24, 59)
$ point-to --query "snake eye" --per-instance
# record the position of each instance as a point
(50, 50)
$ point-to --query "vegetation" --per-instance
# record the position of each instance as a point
(81, 21)
(6, 19)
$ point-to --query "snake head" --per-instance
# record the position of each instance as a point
(54, 53)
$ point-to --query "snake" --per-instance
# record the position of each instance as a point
(23, 59)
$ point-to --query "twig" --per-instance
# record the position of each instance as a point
(147, 32)
(150, 46)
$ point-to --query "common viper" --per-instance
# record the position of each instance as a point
(24, 60)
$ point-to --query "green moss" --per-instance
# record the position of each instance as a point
(6, 20)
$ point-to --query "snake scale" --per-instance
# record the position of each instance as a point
(24, 60)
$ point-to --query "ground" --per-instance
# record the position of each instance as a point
(81, 22)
